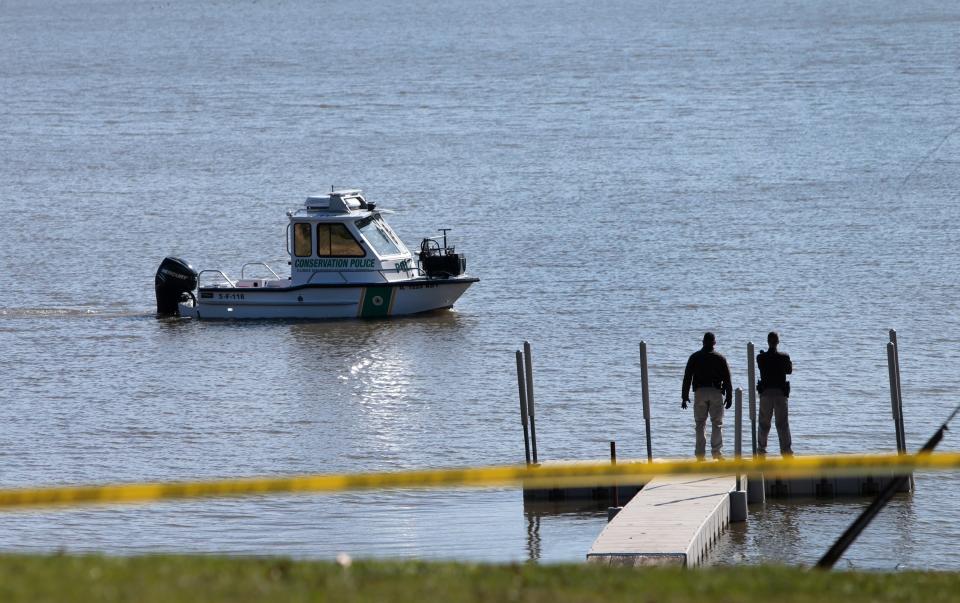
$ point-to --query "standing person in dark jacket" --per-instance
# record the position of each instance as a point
(709, 373)
(774, 389)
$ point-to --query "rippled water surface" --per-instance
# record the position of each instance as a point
(614, 171)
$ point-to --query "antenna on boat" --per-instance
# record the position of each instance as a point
(444, 231)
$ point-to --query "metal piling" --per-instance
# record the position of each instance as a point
(528, 362)
(756, 489)
(645, 389)
(739, 498)
(898, 419)
(894, 397)
(523, 405)
(738, 428)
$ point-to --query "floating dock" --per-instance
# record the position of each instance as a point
(672, 521)
(623, 492)
(828, 487)
(759, 488)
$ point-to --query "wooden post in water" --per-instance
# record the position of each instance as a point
(523, 405)
(894, 401)
(899, 418)
(738, 429)
(528, 361)
(645, 389)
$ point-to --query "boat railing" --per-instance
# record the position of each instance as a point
(264, 264)
(217, 272)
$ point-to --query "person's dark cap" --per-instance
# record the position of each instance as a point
(773, 338)
(709, 339)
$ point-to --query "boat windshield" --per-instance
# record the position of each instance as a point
(378, 236)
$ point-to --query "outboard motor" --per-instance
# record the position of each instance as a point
(441, 262)
(175, 282)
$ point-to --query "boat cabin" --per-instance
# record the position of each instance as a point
(341, 238)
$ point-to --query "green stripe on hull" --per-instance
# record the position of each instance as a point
(376, 302)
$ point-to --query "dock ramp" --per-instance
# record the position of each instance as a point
(672, 521)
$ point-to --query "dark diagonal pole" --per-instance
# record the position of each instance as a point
(843, 543)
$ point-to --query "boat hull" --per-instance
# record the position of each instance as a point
(378, 300)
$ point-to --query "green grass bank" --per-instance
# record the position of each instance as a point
(172, 579)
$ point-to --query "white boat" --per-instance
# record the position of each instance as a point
(345, 261)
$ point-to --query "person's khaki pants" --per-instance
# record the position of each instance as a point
(708, 401)
(773, 405)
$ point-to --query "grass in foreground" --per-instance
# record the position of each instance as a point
(173, 579)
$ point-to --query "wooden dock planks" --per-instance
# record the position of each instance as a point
(672, 521)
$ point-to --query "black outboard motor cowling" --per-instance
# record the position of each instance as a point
(175, 281)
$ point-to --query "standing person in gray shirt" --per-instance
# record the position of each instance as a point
(708, 372)
(774, 389)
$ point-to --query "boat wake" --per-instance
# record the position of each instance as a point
(35, 313)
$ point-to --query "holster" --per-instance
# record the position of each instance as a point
(785, 388)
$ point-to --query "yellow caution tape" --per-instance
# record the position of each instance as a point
(543, 476)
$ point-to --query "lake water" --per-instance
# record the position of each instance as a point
(614, 171)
